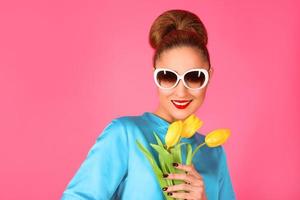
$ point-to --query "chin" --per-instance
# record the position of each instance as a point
(181, 114)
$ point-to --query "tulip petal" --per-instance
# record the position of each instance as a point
(217, 137)
(173, 133)
(190, 126)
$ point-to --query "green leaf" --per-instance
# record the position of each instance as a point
(176, 151)
(159, 142)
(156, 169)
(167, 157)
(162, 182)
(161, 160)
(164, 168)
(164, 153)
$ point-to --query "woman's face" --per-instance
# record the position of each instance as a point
(180, 59)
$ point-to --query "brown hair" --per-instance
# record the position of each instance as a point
(176, 28)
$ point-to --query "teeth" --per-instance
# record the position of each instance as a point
(181, 104)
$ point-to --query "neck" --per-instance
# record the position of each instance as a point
(162, 114)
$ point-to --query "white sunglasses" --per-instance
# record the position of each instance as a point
(193, 79)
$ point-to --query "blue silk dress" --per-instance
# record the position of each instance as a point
(115, 168)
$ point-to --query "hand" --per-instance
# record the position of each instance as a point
(194, 184)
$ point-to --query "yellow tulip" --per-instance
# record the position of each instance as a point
(190, 126)
(217, 137)
(173, 133)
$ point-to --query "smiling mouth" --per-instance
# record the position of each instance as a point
(181, 104)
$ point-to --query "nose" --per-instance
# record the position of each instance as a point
(180, 89)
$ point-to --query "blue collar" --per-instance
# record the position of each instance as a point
(156, 119)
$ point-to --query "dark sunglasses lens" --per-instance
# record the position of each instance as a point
(194, 79)
(166, 79)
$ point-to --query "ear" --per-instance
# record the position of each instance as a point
(211, 72)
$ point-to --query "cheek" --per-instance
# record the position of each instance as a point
(199, 96)
(164, 93)
(164, 96)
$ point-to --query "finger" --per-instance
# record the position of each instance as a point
(188, 168)
(199, 195)
(182, 195)
(185, 177)
(188, 179)
(180, 187)
(179, 195)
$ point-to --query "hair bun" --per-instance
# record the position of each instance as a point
(176, 22)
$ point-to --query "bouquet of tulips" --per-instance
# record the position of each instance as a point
(170, 151)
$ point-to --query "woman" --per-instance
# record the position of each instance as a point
(116, 169)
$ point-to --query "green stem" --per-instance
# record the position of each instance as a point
(198, 147)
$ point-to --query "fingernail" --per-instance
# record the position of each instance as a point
(164, 188)
(165, 175)
(175, 164)
(169, 193)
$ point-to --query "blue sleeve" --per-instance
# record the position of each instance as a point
(104, 167)
(226, 191)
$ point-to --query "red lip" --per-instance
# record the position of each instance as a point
(181, 106)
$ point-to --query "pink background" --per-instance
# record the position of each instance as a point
(69, 67)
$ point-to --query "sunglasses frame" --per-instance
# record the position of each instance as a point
(181, 77)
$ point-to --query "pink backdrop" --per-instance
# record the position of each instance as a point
(69, 67)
